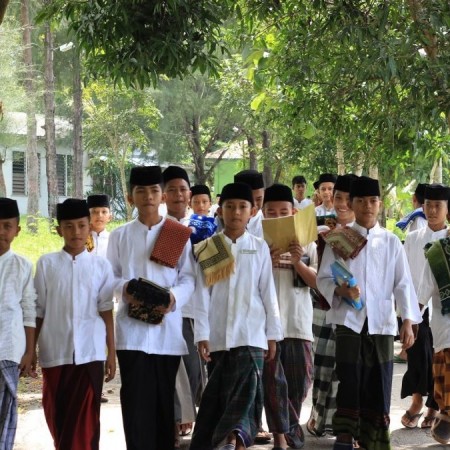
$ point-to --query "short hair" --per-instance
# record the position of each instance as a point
(298, 179)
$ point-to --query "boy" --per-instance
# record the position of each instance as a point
(236, 321)
(149, 354)
(299, 188)
(74, 311)
(177, 192)
(416, 219)
(435, 284)
(325, 185)
(364, 338)
(418, 379)
(100, 216)
(17, 321)
(287, 378)
(200, 199)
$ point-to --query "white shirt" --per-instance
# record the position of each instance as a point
(17, 305)
(303, 204)
(129, 252)
(382, 273)
(71, 293)
(418, 223)
(241, 310)
(296, 309)
(254, 225)
(100, 243)
(322, 211)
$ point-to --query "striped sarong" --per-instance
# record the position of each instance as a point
(9, 378)
(364, 367)
(441, 373)
(232, 400)
(325, 380)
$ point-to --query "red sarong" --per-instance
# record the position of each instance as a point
(71, 401)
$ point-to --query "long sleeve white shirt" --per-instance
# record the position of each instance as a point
(100, 242)
(241, 310)
(129, 252)
(382, 273)
(17, 305)
(296, 309)
(71, 293)
(303, 204)
(254, 225)
(322, 211)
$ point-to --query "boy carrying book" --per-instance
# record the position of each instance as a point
(74, 325)
(364, 337)
(237, 324)
(17, 321)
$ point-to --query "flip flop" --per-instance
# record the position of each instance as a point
(411, 420)
(263, 437)
(428, 422)
(440, 431)
(311, 430)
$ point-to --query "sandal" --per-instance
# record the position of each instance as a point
(428, 422)
(440, 431)
(411, 420)
(311, 430)
(185, 428)
(263, 437)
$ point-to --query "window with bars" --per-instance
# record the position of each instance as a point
(64, 174)
(19, 173)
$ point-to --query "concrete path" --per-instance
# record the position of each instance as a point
(32, 433)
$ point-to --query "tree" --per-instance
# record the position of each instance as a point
(117, 128)
(3, 6)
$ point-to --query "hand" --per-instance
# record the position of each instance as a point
(352, 293)
(169, 309)
(275, 254)
(128, 298)
(26, 365)
(110, 366)
(296, 251)
(203, 349)
(407, 334)
(269, 355)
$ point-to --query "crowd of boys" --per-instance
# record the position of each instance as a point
(243, 325)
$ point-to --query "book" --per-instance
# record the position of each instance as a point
(342, 275)
(281, 231)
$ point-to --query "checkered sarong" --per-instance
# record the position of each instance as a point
(9, 377)
(441, 373)
(232, 400)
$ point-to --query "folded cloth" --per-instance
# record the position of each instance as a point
(215, 259)
(170, 243)
(403, 223)
(345, 242)
(90, 245)
(202, 227)
(438, 256)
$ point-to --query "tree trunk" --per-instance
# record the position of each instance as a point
(77, 146)
(50, 134)
(252, 153)
(2, 179)
(32, 156)
(340, 157)
(3, 5)
(267, 170)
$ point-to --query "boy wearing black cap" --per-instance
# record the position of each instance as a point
(299, 188)
(287, 378)
(416, 219)
(157, 249)
(75, 321)
(17, 321)
(200, 199)
(325, 185)
(236, 322)
(100, 216)
(435, 282)
(176, 192)
(364, 337)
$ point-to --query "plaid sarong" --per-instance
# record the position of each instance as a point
(364, 367)
(441, 374)
(170, 243)
(345, 242)
(215, 259)
(9, 377)
(438, 256)
(232, 400)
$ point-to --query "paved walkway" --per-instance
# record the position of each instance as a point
(32, 433)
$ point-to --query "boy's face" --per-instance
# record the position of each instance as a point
(326, 191)
(146, 198)
(9, 229)
(299, 191)
(366, 210)
(75, 233)
(272, 210)
(100, 217)
(176, 195)
(201, 203)
(341, 204)
(258, 198)
(235, 214)
(435, 212)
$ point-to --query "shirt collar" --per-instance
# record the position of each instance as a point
(238, 240)
(364, 231)
(82, 255)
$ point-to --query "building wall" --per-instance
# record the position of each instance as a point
(224, 173)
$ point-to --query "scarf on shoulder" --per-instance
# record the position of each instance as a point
(345, 242)
(403, 223)
(438, 256)
(202, 228)
(215, 259)
(170, 243)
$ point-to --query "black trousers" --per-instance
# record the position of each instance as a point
(146, 396)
